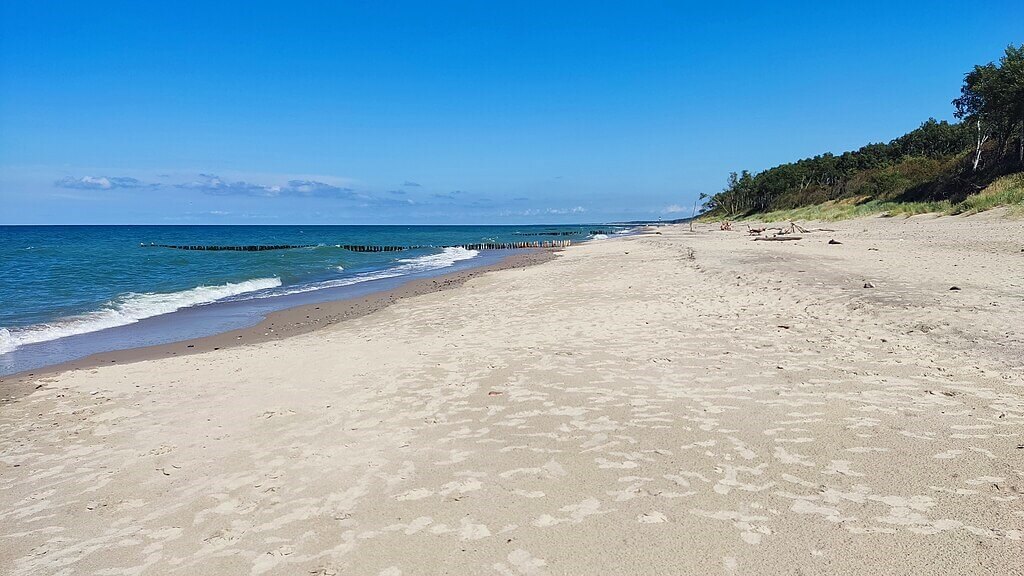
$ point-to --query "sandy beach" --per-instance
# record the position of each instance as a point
(681, 403)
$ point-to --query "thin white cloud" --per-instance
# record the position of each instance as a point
(214, 185)
(315, 188)
(573, 210)
(98, 182)
(217, 186)
(546, 211)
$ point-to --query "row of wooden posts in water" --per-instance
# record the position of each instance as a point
(259, 248)
(563, 233)
(363, 248)
(480, 246)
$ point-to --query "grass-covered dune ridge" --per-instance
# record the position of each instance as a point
(1007, 191)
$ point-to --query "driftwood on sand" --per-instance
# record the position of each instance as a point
(782, 234)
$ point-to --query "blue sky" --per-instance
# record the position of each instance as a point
(452, 112)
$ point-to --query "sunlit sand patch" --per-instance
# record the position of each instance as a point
(414, 494)
(529, 448)
(576, 513)
(984, 480)
(652, 517)
(751, 531)
(528, 493)
(830, 513)
(787, 457)
(797, 480)
(455, 457)
(460, 486)
(469, 530)
(521, 563)
(551, 469)
(797, 440)
(862, 422)
(704, 444)
(741, 448)
(630, 492)
(115, 414)
(867, 449)
(918, 435)
(605, 463)
(969, 436)
(682, 478)
(731, 475)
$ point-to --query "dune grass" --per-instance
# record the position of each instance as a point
(852, 208)
(1007, 191)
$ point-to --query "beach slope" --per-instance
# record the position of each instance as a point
(684, 403)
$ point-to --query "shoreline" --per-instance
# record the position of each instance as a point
(276, 326)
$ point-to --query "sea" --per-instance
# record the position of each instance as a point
(70, 291)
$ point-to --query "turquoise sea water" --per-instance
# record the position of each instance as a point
(64, 282)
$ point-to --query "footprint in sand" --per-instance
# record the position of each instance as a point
(273, 413)
(840, 467)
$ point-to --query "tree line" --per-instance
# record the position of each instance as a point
(938, 160)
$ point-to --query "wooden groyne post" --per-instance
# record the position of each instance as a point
(551, 233)
(370, 248)
(513, 245)
(259, 248)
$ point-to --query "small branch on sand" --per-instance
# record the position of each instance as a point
(781, 234)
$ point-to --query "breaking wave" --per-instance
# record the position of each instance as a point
(128, 309)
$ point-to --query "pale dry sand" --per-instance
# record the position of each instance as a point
(623, 409)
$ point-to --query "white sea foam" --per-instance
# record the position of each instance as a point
(134, 307)
(6, 341)
(444, 259)
(128, 309)
(600, 237)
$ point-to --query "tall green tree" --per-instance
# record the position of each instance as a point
(992, 99)
(1011, 92)
(975, 105)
